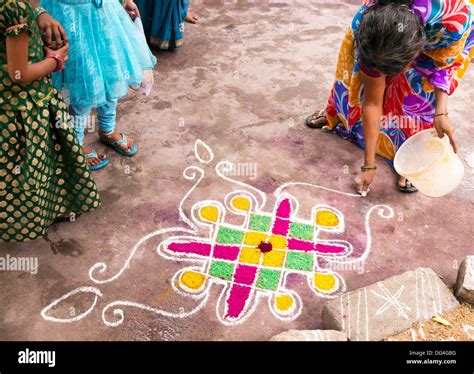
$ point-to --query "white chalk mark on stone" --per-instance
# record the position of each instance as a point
(366, 315)
(417, 295)
(392, 300)
(358, 315)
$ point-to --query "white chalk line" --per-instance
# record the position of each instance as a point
(278, 191)
(210, 154)
(85, 289)
(125, 303)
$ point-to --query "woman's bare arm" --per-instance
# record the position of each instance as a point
(372, 111)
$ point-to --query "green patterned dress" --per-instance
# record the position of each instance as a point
(43, 173)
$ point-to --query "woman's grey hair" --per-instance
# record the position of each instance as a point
(390, 36)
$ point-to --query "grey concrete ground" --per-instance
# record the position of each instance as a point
(245, 79)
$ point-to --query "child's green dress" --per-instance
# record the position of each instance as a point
(43, 173)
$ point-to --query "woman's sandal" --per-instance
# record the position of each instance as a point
(407, 188)
(314, 117)
(116, 145)
(102, 164)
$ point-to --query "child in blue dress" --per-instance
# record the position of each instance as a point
(106, 56)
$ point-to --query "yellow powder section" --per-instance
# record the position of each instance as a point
(254, 238)
(193, 280)
(278, 241)
(250, 255)
(209, 213)
(284, 302)
(273, 258)
(324, 282)
(241, 203)
(327, 218)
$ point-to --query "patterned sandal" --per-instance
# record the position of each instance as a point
(116, 146)
(314, 117)
(102, 164)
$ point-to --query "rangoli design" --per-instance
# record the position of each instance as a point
(250, 261)
(254, 259)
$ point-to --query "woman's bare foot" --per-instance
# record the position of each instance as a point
(115, 137)
(191, 17)
(404, 185)
(92, 161)
(317, 119)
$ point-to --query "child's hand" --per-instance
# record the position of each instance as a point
(63, 52)
(131, 9)
(52, 31)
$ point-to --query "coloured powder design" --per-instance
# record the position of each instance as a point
(254, 259)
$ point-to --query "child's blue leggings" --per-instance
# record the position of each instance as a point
(106, 117)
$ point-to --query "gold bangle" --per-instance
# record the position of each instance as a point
(368, 167)
(441, 114)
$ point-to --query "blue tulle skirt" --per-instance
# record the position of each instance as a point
(107, 52)
(163, 21)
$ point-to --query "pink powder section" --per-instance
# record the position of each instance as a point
(300, 245)
(325, 248)
(303, 245)
(202, 249)
(245, 274)
(284, 209)
(236, 300)
(281, 226)
(226, 252)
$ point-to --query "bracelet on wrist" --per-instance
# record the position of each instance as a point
(441, 114)
(368, 167)
(59, 61)
(40, 10)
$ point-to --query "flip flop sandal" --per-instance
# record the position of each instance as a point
(407, 188)
(315, 117)
(116, 146)
(102, 164)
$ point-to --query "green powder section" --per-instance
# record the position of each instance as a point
(227, 235)
(222, 269)
(301, 231)
(268, 279)
(260, 223)
(299, 261)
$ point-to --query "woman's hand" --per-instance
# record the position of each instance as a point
(364, 180)
(443, 126)
(63, 52)
(54, 34)
(132, 9)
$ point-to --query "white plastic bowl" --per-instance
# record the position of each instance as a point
(430, 163)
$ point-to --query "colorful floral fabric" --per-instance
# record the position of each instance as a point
(409, 100)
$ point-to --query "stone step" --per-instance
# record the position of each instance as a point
(465, 281)
(390, 306)
(310, 335)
